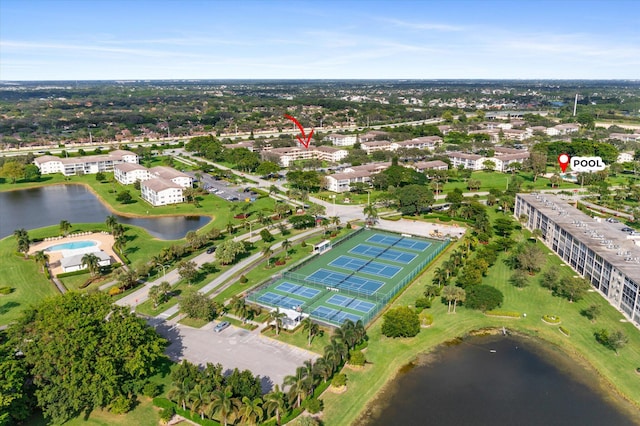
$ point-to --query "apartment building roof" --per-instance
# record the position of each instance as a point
(128, 167)
(160, 184)
(167, 172)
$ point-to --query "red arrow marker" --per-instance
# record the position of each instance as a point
(563, 160)
(302, 140)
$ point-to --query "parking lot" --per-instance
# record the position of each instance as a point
(222, 188)
(233, 347)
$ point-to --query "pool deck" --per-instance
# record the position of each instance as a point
(105, 243)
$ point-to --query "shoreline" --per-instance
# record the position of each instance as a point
(604, 387)
(106, 204)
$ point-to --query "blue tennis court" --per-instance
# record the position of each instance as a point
(278, 300)
(348, 282)
(379, 252)
(333, 315)
(351, 303)
(400, 242)
(365, 266)
(299, 290)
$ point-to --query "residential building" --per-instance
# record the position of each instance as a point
(625, 137)
(74, 262)
(161, 191)
(129, 173)
(468, 161)
(422, 142)
(625, 157)
(373, 135)
(421, 166)
(342, 140)
(563, 129)
(374, 146)
(89, 164)
(173, 175)
(341, 182)
(597, 250)
(285, 156)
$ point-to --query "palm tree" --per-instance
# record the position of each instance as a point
(41, 259)
(120, 242)
(92, 262)
(335, 220)
(251, 411)
(371, 213)
(223, 405)
(311, 327)
(64, 227)
(117, 230)
(267, 251)
(323, 369)
(440, 276)
(180, 392)
(360, 331)
(126, 278)
(276, 316)
(299, 385)
(286, 245)
(453, 294)
(346, 334)
(239, 307)
(111, 221)
(22, 238)
(335, 352)
(199, 398)
(275, 403)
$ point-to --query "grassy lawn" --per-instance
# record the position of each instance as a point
(74, 282)
(300, 338)
(23, 275)
(387, 355)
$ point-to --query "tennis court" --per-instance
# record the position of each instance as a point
(351, 303)
(279, 300)
(384, 254)
(348, 282)
(366, 266)
(399, 242)
(297, 289)
(333, 315)
(354, 279)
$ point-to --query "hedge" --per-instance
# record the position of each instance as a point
(74, 273)
(499, 313)
(551, 319)
(564, 331)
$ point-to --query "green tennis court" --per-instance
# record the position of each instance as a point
(353, 280)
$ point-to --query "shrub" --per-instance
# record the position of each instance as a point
(553, 319)
(356, 357)
(564, 331)
(313, 405)
(348, 226)
(121, 404)
(339, 380)
(425, 319)
(303, 243)
(401, 322)
(483, 297)
(167, 413)
(423, 303)
(5, 290)
(243, 279)
(151, 390)
(500, 313)
(266, 236)
(114, 291)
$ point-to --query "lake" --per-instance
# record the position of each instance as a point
(48, 205)
(522, 383)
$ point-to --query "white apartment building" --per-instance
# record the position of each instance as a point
(373, 146)
(342, 140)
(173, 175)
(597, 250)
(625, 137)
(468, 161)
(341, 182)
(421, 166)
(90, 164)
(563, 129)
(128, 173)
(504, 159)
(285, 156)
(161, 192)
(422, 142)
(625, 157)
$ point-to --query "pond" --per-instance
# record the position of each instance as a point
(497, 381)
(46, 206)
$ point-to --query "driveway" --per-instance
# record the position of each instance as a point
(234, 347)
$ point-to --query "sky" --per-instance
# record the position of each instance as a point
(347, 39)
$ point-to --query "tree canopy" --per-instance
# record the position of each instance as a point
(82, 352)
(401, 322)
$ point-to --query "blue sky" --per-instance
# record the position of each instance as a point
(208, 39)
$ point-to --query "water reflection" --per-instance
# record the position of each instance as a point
(521, 383)
(38, 207)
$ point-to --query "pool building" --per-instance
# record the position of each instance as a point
(353, 280)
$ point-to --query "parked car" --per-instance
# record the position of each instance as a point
(211, 250)
(221, 326)
(627, 229)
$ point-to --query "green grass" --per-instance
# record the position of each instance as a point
(387, 355)
(193, 322)
(74, 282)
(300, 338)
(23, 275)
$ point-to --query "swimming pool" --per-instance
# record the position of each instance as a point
(72, 245)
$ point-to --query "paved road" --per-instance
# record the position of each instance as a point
(234, 347)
